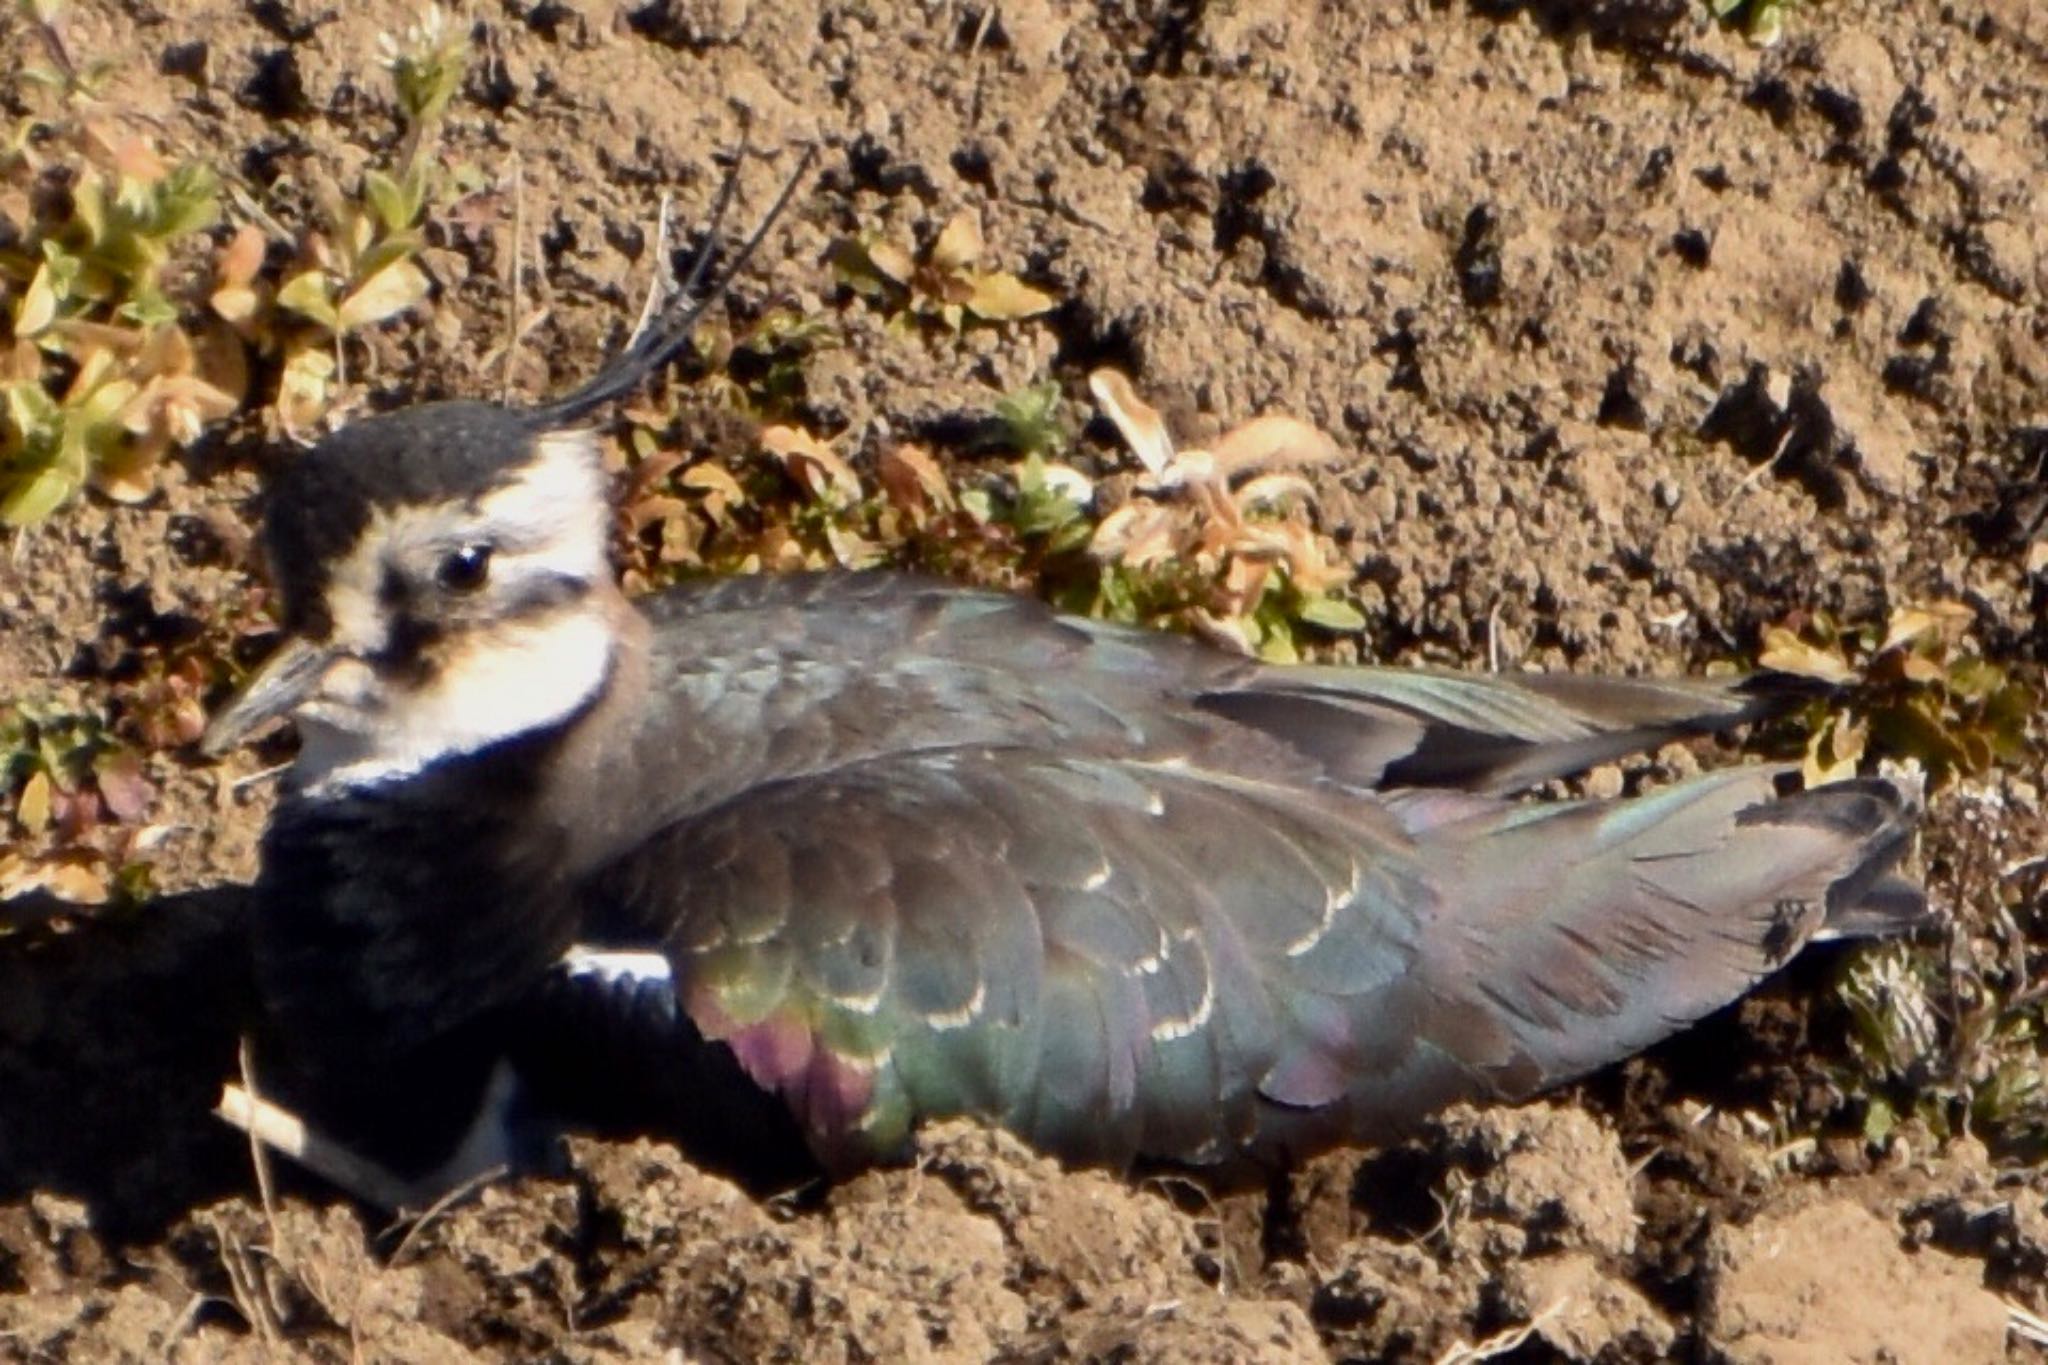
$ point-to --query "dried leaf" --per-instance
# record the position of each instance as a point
(1915, 620)
(1270, 490)
(851, 550)
(134, 158)
(1915, 668)
(302, 387)
(1001, 297)
(1233, 633)
(223, 361)
(127, 475)
(126, 792)
(38, 307)
(891, 262)
(959, 245)
(1834, 751)
(1272, 442)
(912, 479)
(1244, 583)
(722, 492)
(68, 879)
(1137, 421)
(812, 463)
(714, 479)
(1785, 652)
(1139, 534)
(242, 258)
(236, 303)
(32, 807)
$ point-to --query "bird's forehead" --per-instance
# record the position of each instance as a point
(436, 453)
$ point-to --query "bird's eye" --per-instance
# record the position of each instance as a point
(465, 570)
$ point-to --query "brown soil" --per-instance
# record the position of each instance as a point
(1638, 338)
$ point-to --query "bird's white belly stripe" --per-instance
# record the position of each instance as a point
(613, 965)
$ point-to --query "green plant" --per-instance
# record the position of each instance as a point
(74, 797)
(103, 378)
(1762, 20)
(945, 283)
(60, 72)
(427, 65)
(1028, 422)
(1955, 1062)
(1907, 689)
(763, 372)
(1239, 564)
(359, 267)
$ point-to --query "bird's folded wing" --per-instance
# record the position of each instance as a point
(1120, 958)
(1106, 956)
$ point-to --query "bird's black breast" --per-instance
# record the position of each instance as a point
(395, 925)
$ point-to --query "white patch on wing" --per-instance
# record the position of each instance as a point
(945, 1021)
(1335, 898)
(866, 1002)
(614, 965)
(358, 732)
(1170, 1029)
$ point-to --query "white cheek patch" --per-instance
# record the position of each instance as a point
(504, 683)
(613, 966)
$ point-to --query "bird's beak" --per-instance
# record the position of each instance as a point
(284, 683)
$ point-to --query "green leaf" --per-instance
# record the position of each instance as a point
(1331, 613)
(308, 295)
(398, 247)
(89, 208)
(1276, 642)
(187, 201)
(394, 208)
(389, 292)
(36, 496)
(148, 309)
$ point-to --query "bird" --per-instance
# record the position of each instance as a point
(827, 856)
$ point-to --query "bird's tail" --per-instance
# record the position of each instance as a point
(1590, 930)
(1568, 936)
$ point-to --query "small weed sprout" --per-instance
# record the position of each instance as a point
(945, 283)
(360, 268)
(1762, 20)
(427, 66)
(1909, 689)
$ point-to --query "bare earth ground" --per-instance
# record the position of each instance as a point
(1514, 257)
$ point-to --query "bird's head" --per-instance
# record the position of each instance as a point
(445, 585)
(443, 568)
